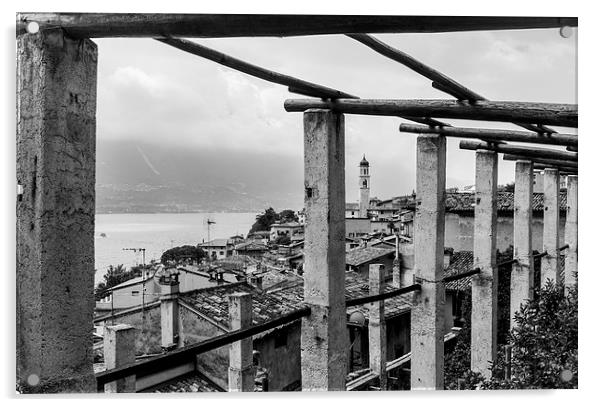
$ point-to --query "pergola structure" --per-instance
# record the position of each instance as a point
(56, 107)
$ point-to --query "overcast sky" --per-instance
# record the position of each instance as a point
(150, 92)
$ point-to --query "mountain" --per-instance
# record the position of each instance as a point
(143, 177)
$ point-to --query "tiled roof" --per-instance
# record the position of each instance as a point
(350, 206)
(362, 255)
(251, 246)
(193, 382)
(464, 202)
(460, 262)
(287, 225)
(357, 286)
(216, 243)
(213, 302)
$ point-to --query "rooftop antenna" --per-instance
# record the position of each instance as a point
(209, 223)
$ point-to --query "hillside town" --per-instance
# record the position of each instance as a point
(268, 264)
(471, 285)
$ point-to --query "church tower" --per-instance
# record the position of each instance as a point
(364, 187)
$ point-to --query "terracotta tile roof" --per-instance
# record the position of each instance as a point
(213, 302)
(251, 246)
(194, 382)
(215, 243)
(362, 255)
(463, 202)
(357, 286)
(460, 262)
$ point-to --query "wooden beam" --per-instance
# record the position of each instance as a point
(294, 84)
(531, 152)
(542, 161)
(548, 113)
(440, 81)
(571, 148)
(104, 25)
(494, 134)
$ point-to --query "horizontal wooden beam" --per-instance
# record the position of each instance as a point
(542, 161)
(294, 84)
(494, 134)
(103, 25)
(544, 113)
(561, 170)
(533, 152)
(571, 148)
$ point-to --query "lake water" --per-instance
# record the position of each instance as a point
(157, 233)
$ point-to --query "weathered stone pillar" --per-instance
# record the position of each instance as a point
(241, 374)
(170, 313)
(397, 277)
(119, 350)
(550, 266)
(521, 280)
(570, 232)
(324, 338)
(428, 313)
(377, 326)
(484, 284)
(56, 140)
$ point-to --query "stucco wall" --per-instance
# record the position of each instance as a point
(283, 363)
(459, 231)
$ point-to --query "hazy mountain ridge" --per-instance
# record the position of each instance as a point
(135, 178)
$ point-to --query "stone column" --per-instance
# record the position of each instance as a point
(484, 284)
(324, 338)
(119, 350)
(550, 266)
(570, 232)
(56, 154)
(428, 313)
(241, 374)
(521, 280)
(377, 326)
(170, 314)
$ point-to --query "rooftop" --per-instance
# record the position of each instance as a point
(192, 382)
(362, 255)
(286, 225)
(464, 202)
(215, 243)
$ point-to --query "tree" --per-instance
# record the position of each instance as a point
(264, 221)
(269, 217)
(180, 253)
(283, 240)
(509, 187)
(115, 276)
(544, 347)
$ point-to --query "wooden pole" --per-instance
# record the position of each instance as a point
(543, 161)
(532, 152)
(294, 84)
(99, 25)
(544, 113)
(494, 135)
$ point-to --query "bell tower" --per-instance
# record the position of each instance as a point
(364, 187)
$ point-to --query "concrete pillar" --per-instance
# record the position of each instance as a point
(119, 350)
(484, 284)
(170, 314)
(241, 374)
(324, 338)
(570, 232)
(56, 140)
(521, 280)
(377, 327)
(550, 266)
(428, 313)
(397, 277)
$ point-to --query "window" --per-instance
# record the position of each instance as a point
(221, 253)
(135, 293)
(281, 338)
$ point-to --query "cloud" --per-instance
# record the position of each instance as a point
(154, 93)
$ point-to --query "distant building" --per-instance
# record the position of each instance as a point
(251, 248)
(218, 248)
(289, 229)
(364, 184)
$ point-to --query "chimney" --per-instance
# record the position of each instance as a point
(170, 315)
(257, 282)
(448, 252)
